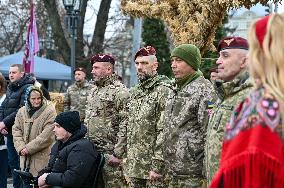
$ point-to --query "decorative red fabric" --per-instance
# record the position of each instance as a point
(145, 51)
(253, 148)
(260, 29)
(252, 160)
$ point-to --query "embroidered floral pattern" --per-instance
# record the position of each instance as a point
(259, 108)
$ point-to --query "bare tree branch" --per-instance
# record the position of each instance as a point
(58, 32)
(99, 32)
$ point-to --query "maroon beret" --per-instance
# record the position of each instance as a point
(102, 58)
(232, 43)
(145, 51)
(80, 69)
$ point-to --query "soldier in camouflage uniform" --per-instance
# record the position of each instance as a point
(76, 95)
(232, 84)
(104, 113)
(143, 137)
(186, 119)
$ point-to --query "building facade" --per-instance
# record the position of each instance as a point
(241, 23)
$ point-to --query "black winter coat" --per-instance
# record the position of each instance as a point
(72, 163)
(15, 99)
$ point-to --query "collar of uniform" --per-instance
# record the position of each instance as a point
(181, 83)
(106, 81)
(144, 87)
(241, 81)
(151, 82)
(81, 84)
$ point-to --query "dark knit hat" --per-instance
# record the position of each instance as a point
(102, 58)
(80, 69)
(232, 43)
(70, 121)
(189, 53)
(145, 51)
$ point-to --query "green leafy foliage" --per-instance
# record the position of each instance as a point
(154, 35)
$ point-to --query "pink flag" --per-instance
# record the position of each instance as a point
(32, 45)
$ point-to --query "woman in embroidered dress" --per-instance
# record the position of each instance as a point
(253, 148)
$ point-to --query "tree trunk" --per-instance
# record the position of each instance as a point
(58, 32)
(100, 28)
(80, 59)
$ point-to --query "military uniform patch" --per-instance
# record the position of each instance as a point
(210, 107)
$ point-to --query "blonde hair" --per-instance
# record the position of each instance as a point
(267, 59)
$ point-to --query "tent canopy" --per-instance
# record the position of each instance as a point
(44, 69)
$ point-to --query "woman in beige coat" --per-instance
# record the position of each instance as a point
(32, 131)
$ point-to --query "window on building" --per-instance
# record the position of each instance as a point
(242, 25)
(248, 24)
(235, 25)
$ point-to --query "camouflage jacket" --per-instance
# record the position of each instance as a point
(186, 119)
(144, 130)
(233, 93)
(105, 104)
(76, 98)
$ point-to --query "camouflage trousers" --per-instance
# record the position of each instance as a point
(112, 176)
(145, 183)
(182, 182)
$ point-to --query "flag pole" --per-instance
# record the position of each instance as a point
(32, 45)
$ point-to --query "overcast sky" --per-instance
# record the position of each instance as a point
(91, 13)
(260, 10)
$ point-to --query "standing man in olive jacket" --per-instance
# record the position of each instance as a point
(72, 160)
(232, 83)
(186, 118)
(140, 138)
(76, 94)
(104, 113)
(15, 99)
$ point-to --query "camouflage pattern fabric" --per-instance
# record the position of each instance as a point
(144, 183)
(105, 104)
(233, 92)
(76, 98)
(186, 120)
(143, 128)
(112, 175)
(180, 182)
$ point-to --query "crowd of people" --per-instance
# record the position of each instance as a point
(182, 133)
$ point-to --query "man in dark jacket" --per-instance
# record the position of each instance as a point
(14, 100)
(72, 160)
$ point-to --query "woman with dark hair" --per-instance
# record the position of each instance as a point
(32, 131)
(253, 149)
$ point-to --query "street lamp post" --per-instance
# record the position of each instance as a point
(73, 8)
